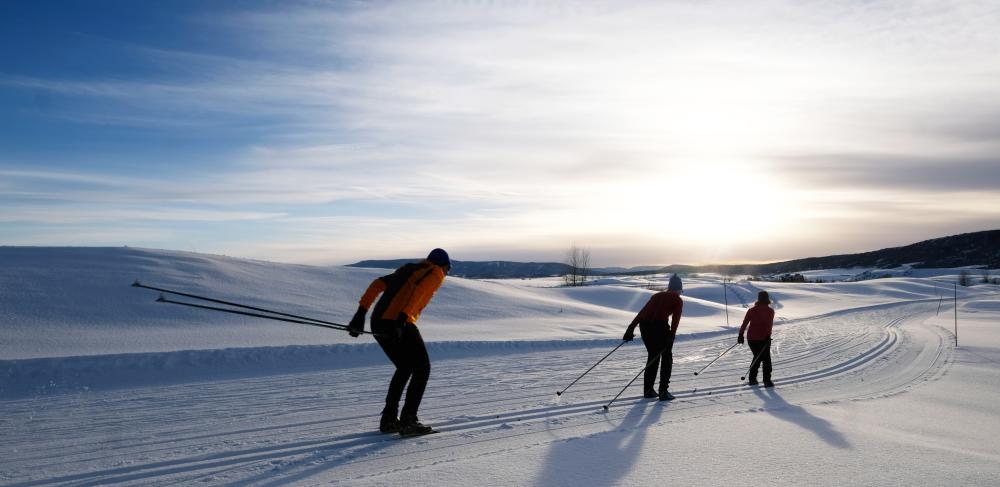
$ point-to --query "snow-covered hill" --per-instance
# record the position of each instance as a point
(75, 315)
(78, 301)
(100, 385)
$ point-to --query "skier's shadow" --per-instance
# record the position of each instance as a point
(778, 407)
(320, 460)
(606, 459)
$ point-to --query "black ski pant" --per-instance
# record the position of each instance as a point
(762, 348)
(659, 343)
(405, 348)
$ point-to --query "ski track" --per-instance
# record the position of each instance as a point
(286, 428)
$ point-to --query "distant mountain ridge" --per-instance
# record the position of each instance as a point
(494, 269)
(977, 248)
(967, 249)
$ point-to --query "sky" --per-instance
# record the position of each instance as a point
(647, 132)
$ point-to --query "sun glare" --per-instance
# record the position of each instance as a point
(729, 202)
(707, 204)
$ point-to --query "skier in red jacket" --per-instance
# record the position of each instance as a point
(757, 324)
(654, 322)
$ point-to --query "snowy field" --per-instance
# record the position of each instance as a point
(100, 385)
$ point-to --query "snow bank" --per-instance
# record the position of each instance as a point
(78, 301)
(71, 320)
(986, 305)
(59, 375)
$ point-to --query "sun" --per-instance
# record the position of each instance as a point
(709, 204)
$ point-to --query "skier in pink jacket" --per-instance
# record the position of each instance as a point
(757, 325)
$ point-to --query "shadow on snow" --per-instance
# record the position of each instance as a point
(778, 407)
(604, 458)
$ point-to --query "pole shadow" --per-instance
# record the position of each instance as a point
(777, 406)
(603, 458)
(317, 462)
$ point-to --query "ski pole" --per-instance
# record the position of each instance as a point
(940, 300)
(754, 362)
(163, 299)
(650, 362)
(725, 295)
(230, 303)
(591, 368)
(716, 358)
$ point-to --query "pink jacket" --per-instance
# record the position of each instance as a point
(761, 319)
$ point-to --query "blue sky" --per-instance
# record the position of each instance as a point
(649, 132)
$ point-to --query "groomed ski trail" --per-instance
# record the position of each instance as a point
(299, 427)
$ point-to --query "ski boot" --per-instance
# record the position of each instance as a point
(389, 422)
(666, 396)
(411, 426)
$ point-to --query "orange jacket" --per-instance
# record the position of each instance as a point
(761, 319)
(408, 290)
(660, 307)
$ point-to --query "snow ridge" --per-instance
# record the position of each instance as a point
(62, 375)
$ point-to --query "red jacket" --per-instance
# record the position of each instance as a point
(660, 307)
(761, 319)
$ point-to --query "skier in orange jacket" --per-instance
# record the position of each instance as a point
(405, 293)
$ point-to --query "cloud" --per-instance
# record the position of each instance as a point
(64, 215)
(894, 172)
(532, 124)
(60, 236)
(30, 176)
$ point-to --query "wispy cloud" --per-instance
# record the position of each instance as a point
(896, 172)
(102, 215)
(532, 125)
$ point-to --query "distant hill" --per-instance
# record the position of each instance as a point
(494, 269)
(979, 248)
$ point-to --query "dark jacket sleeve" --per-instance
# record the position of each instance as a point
(677, 315)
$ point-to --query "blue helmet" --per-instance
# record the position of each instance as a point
(675, 283)
(439, 257)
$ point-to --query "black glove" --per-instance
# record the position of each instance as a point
(401, 321)
(629, 335)
(357, 324)
(739, 340)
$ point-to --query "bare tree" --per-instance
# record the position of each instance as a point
(578, 260)
(964, 279)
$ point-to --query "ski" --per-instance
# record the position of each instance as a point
(414, 435)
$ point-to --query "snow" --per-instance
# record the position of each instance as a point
(867, 273)
(101, 385)
(78, 301)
